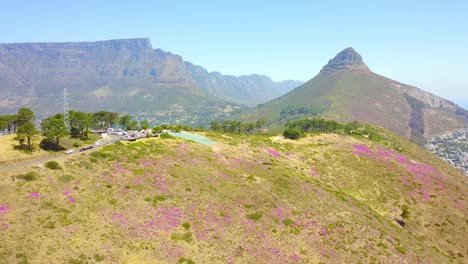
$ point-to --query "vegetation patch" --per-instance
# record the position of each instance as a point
(53, 165)
(255, 216)
(30, 176)
(66, 178)
(187, 237)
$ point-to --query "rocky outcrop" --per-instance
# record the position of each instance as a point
(347, 60)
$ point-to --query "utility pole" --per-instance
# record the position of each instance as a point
(66, 114)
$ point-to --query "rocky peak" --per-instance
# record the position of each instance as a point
(347, 60)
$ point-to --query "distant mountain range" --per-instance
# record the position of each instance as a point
(346, 90)
(129, 76)
(125, 75)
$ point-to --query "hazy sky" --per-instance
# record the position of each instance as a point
(422, 43)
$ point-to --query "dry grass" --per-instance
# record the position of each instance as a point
(9, 155)
(247, 200)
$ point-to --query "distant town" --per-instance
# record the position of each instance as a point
(453, 148)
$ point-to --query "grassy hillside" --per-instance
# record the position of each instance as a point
(247, 199)
(345, 95)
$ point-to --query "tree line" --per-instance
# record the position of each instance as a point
(236, 127)
(293, 110)
(296, 128)
(54, 128)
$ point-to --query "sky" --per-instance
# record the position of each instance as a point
(422, 43)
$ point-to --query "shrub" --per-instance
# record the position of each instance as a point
(187, 237)
(99, 258)
(400, 249)
(159, 198)
(53, 165)
(288, 222)
(186, 226)
(255, 216)
(292, 133)
(185, 260)
(30, 176)
(405, 214)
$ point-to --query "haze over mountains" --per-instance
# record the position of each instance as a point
(125, 75)
(129, 76)
(346, 90)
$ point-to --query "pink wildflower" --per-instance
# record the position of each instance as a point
(274, 153)
(34, 195)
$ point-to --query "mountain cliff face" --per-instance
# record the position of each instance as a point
(346, 90)
(120, 75)
(249, 90)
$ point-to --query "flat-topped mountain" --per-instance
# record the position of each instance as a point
(347, 90)
(125, 75)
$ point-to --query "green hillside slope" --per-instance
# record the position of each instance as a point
(246, 199)
(346, 90)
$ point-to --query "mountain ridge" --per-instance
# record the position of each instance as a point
(32, 71)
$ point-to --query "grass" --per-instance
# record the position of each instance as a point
(10, 156)
(135, 193)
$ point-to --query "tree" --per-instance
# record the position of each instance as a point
(144, 124)
(292, 133)
(124, 121)
(11, 122)
(27, 132)
(24, 115)
(80, 123)
(157, 129)
(132, 125)
(3, 123)
(54, 128)
(111, 118)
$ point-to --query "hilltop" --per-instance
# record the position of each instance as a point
(326, 198)
(347, 90)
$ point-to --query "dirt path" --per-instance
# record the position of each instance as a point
(35, 162)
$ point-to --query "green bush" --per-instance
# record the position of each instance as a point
(30, 176)
(53, 165)
(288, 222)
(400, 249)
(185, 260)
(292, 133)
(186, 226)
(187, 237)
(405, 214)
(255, 216)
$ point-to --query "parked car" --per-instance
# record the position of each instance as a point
(86, 148)
(70, 151)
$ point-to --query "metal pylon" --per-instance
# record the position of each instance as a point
(66, 114)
